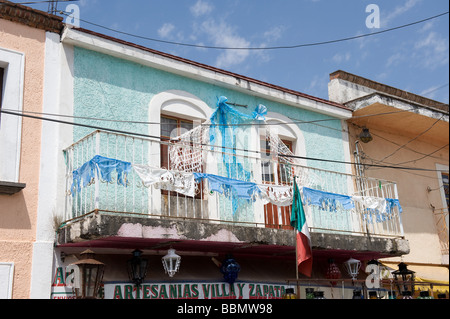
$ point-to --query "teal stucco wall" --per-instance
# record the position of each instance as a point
(106, 87)
(110, 88)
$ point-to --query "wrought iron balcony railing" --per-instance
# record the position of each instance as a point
(334, 202)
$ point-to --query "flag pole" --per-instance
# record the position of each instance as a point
(296, 265)
(296, 253)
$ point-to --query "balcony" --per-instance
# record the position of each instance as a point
(119, 205)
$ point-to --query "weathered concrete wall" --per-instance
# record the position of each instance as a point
(101, 226)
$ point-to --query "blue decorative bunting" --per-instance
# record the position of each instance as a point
(102, 167)
(327, 201)
(231, 188)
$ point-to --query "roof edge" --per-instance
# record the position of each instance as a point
(30, 17)
(392, 91)
(214, 69)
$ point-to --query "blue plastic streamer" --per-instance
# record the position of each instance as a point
(230, 188)
(102, 167)
(225, 123)
(327, 201)
(377, 216)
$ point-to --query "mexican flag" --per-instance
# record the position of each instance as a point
(303, 240)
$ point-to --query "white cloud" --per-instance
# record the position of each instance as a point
(432, 50)
(274, 34)
(201, 8)
(166, 30)
(341, 57)
(394, 59)
(224, 35)
(399, 10)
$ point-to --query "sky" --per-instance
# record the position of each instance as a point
(414, 58)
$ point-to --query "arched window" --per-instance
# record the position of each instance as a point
(178, 112)
(276, 172)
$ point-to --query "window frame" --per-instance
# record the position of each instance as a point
(271, 211)
(165, 138)
(13, 65)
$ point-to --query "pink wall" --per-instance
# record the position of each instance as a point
(18, 212)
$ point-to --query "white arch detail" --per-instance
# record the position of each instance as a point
(289, 131)
(175, 103)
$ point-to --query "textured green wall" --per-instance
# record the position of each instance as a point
(112, 88)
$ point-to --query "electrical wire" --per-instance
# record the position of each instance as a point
(392, 142)
(258, 48)
(159, 138)
(294, 121)
(413, 139)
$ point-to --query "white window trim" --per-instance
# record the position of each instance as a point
(288, 131)
(10, 279)
(176, 103)
(440, 168)
(11, 126)
(168, 103)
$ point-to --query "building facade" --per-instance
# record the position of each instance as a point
(407, 131)
(161, 120)
(143, 150)
(27, 38)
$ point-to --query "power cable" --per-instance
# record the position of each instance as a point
(294, 121)
(392, 142)
(159, 138)
(259, 48)
(410, 141)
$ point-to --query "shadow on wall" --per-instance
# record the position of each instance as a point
(14, 212)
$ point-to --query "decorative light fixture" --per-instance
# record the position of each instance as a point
(404, 278)
(353, 266)
(137, 268)
(171, 262)
(365, 135)
(333, 272)
(230, 269)
(90, 272)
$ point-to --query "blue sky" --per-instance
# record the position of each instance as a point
(415, 59)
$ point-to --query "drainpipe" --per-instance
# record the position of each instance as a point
(359, 169)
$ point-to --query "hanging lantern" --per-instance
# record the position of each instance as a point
(365, 135)
(404, 278)
(230, 269)
(171, 262)
(333, 272)
(353, 266)
(90, 272)
(137, 268)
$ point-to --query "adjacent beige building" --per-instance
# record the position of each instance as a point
(408, 131)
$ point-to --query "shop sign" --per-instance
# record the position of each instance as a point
(212, 290)
(66, 277)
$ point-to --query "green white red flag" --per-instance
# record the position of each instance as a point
(303, 240)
